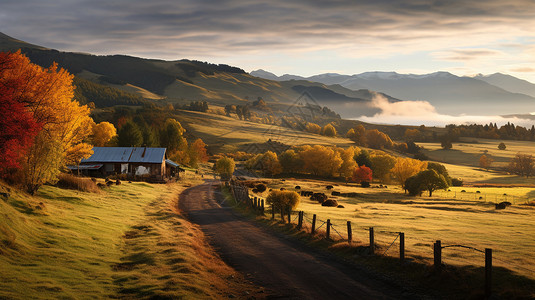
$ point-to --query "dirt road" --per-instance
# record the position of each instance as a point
(285, 271)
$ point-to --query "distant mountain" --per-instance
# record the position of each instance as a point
(509, 83)
(449, 93)
(125, 80)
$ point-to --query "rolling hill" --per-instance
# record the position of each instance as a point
(185, 80)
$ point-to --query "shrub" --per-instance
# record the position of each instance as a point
(502, 146)
(330, 203)
(297, 187)
(329, 187)
(261, 187)
(320, 197)
(68, 181)
(283, 199)
(456, 182)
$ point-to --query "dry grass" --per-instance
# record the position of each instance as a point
(128, 241)
(84, 184)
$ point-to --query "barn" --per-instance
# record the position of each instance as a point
(134, 162)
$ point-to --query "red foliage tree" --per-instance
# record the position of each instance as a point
(18, 128)
(362, 175)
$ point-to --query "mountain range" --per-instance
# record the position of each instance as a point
(495, 94)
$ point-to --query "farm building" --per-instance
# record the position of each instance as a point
(135, 162)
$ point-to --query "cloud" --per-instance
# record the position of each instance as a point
(467, 54)
(423, 113)
(523, 70)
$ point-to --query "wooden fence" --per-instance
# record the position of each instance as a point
(257, 204)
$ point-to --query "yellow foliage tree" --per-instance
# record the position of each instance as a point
(348, 162)
(313, 128)
(382, 164)
(329, 130)
(270, 163)
(406, 167)
(321, 160)
(103, 132)
(485, 161)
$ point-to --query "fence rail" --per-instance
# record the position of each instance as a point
(309, 224)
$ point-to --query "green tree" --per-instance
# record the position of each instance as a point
(382, 165)
(225, 167)
(440, 169)
(129, 135)
(363, 159)
(171, 136)
(428, 180)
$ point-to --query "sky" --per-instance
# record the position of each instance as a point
(296, 37)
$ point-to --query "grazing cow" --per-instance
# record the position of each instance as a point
(335, 193)
(320, 197)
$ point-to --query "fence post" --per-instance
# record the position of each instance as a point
(402, 247)
(328, 228)
(254, 202)
(437, 257)
(300, 220)
(282, 214)
(289, 215)
(272, 212)
(488, 273)
(349, 232)
(372, 241)
(262, 208)
(313, 224)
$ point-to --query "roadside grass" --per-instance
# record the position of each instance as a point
(128, 241)
(424, 220)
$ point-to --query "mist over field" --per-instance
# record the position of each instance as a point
(424, 113)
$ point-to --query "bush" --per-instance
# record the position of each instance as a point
(330, 203)
(456, 182)
(320, 197)
(68, 181)
(365, 184)
(283, 199)
(329, 187)
(261, 187)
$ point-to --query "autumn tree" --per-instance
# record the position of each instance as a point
(406, 167)
(328, 130)
(358, 135)
(522, 164)
(47, 94)
(485, 161)
(378, 140)
(290, 161)
(313, 128)
(268, 163)
(382, 164)
(321, 160)
(362, 175)
(412, 135)
(225, 167)
(17, 125)
(348, 162)
(197, 153)
(103, 132)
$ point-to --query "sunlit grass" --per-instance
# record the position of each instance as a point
(127, 241)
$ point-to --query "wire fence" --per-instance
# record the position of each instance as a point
(483, 197)
(377, 237)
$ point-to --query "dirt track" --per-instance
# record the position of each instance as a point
(285, 271)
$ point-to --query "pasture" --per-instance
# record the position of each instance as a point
(465, 221)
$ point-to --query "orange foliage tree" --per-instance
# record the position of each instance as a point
(47, 94)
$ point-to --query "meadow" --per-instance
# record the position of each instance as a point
(454, 221)
(127, 241)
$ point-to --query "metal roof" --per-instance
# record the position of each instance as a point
(86, 167)
(126, 154)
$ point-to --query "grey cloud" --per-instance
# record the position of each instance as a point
(232, 25)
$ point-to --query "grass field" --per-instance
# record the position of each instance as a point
(127, 241)
(473, 223)
(224, 134)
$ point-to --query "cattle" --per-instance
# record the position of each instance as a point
(330, 202)
(502, 205)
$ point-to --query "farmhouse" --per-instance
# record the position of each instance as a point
(134, 162)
